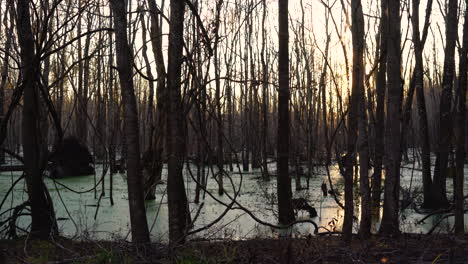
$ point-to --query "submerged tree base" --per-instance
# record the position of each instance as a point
(322, 249)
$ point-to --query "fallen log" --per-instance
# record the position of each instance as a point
(11, 168)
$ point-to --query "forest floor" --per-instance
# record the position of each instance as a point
(323, 249)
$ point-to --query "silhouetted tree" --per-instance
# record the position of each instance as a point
(139, 225)
(357, 30)
(460, 122)
(445, 111)
(389, 225)
(286, 214)
(43, 223)
(380, 86)
(179, 216)
(418, 79)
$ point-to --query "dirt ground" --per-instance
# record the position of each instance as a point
(323, 249)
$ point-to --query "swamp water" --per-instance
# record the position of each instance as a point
(82, 216)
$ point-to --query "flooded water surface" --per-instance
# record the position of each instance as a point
(85, 213)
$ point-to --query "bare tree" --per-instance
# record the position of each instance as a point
(150, 164)
(380, 111)
(219, 116)
(4, 71)
(460, 122)
(445, 126)
(265, 98)
(389, 224)
(286, 214)
(82, 92)
(355, 121)
(179, 216)
(160, 122)
(42, 211)
(359, 111)
(139, 225)
(418, 80)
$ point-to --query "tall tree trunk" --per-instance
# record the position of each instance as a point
(200, 146)
(264, 141)
(219, 116)
(389, 225)
(253, 103)
(44, 96)
(322, 85)
(380, 111)
(111, 114)
(176, 144)
(310, 102)
(460, 122)
(81, 112)
(139, 225)
(160, 128)
(353, 118)
(101, 103)
(230, 65)
(83, 97)
(200, 113)
(246, 110)
(357, 30)
(423, 124)
(150, 165)
(100, 135)
(6, 58)
(42, 211)
(445, 125)
(286, 214)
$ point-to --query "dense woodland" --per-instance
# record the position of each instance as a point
(235, 85)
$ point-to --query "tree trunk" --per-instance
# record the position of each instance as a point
(286, 214)
(150, 166)
(389, 225)
(81, 96)
(139, 225)
(160, 128)
(176, 144)
(264, 142)
(5, 68)
(357, 30)
(380, 111)
(424, 128)
(246, 124)
(253, 103)
(322, 85)
(43, 223)
(101, 105)
(460, 121)
(445, 125)
(219, 116)
(112, 117)
(200, 113)
(353, 118)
